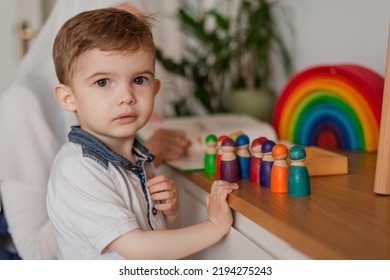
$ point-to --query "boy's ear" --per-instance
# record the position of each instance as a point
(157, 86)
(65, 97)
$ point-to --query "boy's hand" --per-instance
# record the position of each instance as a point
(219, 212)
(163, 191)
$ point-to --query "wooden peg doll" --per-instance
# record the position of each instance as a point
(279, 171)
(243, 155)
(256, 158)
(210, 156)
(266, 163)
(219, 155)
(229, 165)
(298, 176)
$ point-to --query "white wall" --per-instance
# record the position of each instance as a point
(166, 30)
(339, 31)
(12, 14)
(6, 59)
(325, 31)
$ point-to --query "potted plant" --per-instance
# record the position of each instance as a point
(228, 56)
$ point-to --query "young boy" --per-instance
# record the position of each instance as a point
(100, 200)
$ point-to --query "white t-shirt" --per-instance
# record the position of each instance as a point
(95, 196)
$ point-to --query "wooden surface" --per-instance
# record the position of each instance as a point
(321, 162)
(382, 176)
(342, 218)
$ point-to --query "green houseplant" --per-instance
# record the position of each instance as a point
(228, 56)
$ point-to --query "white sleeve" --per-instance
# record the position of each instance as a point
(83, 200)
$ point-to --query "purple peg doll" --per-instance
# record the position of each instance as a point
(229, 165)
(266, 163)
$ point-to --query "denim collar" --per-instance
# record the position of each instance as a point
(98, 151)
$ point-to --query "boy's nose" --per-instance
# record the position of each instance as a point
(127, 97)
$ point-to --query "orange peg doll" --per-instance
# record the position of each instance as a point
(279, 171)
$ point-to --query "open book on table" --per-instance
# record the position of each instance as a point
(198, 127)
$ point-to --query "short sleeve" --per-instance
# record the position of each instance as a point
(83, 200)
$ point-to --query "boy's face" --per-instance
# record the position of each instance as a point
(113, 94)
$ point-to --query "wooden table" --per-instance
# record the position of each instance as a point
(342, 218)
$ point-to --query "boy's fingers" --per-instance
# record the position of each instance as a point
(163, 195)
(154, 179)
(162, 188)
(207, 200)
(213, 186)
(159, 179)
(165, 205)
(223, 185)
(222, 190)
(161, 183)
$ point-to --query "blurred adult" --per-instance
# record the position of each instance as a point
(34, 127)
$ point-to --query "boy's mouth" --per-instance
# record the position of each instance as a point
(125, 118)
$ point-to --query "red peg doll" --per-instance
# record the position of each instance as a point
(219, 155)
(257, 155)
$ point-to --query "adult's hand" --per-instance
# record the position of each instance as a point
(168, 144)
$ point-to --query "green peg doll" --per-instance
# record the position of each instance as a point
(298, 176)
(210, 156)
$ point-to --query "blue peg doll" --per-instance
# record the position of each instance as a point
(243, 155)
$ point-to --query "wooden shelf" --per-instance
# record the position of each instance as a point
(342, 218)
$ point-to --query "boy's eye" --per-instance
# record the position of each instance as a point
(102, 82)
(140, 80)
